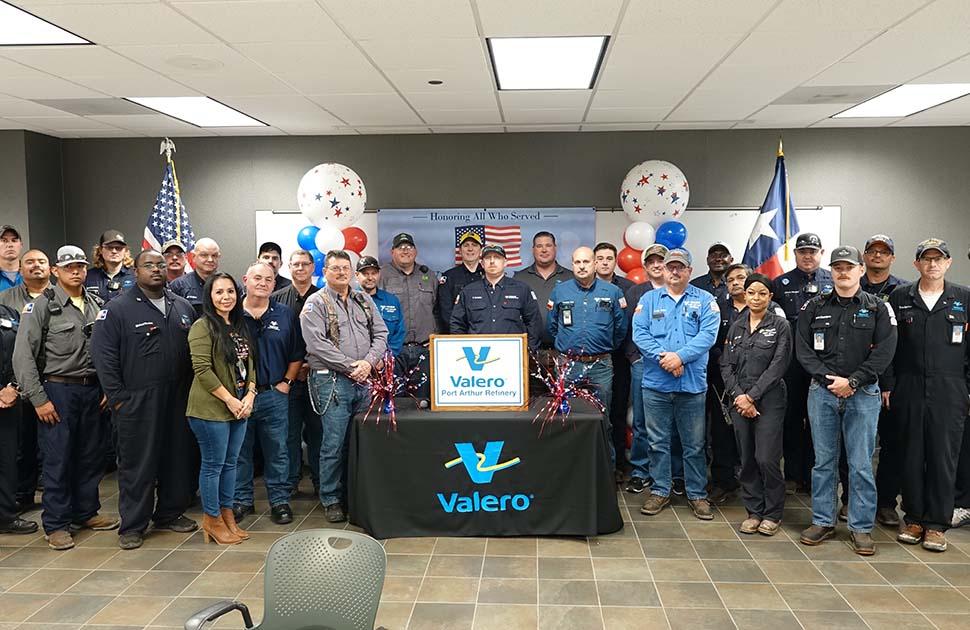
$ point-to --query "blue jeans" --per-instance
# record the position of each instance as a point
(270, 420)
(304, 425)
(338, 399)
(600, 375)
(669, 414)
(853, 419)
(219, 443)
(640, 451)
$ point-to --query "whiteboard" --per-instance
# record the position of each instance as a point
(704, 226)
(732, 226)
(282, 226)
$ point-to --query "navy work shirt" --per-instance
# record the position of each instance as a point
(596, 322)
(108, 288)
(278, 342)
(508, 307)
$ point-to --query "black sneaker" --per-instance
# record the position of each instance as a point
(182, 525)
(239, 511)
(636, 485)
(281, 514)
(132, 540)
(678, 487)
(18, 526)
(334, 513)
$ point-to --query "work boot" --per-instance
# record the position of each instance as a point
(750, 525)
(19, 526)
(131, 540)
(654, 505)
(334, 513)
(769, 527)
(934, 540)
(862, 543)
(816, 534)
(701, 509)
(60, 540)
(910, 533)
(98, 523)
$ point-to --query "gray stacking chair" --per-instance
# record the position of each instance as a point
(318, 579)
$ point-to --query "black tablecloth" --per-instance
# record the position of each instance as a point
(455, 474)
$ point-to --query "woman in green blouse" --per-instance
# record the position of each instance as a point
(220, 400)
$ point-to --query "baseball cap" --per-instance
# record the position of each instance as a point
(932, 243)
(846, 253)
(493, 249)
(112, 236)
(881, 238)
(655, 250)
(470, 235)
(366, 262)
(270, 246)
(9, 228)
(401, 239)
(808, 240)
(720, 244)
(69, 254)
(678, 254)
(173, 243)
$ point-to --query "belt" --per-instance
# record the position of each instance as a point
(266, 388)
(72, 380)
(589, 358)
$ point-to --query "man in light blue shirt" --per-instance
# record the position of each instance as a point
(674, 327)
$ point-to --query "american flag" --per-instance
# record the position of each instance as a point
(508, 236)
(165, 223)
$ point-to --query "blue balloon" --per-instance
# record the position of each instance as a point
(306, 237)
(319, 282)
(672, 234)
(319, 258)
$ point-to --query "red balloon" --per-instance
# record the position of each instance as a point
(637, 276)
(628, 259)
(354, 239)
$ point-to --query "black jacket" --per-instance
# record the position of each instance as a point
(754, 363)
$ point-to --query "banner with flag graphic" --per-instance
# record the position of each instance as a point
(509, 237)
(169, 219)
(776, 224)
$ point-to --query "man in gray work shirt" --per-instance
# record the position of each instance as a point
(345, 341)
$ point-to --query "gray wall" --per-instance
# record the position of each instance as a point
(908, 182)
(13, 182)
(45, 194)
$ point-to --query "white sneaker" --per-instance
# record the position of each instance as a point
(961, 517)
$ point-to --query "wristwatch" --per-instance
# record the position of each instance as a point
(289, 382)
(853, 382)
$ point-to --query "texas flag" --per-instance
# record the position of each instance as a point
(775, 225)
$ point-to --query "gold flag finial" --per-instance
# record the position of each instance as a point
(781, 150)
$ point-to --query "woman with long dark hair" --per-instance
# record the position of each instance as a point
(220, 400)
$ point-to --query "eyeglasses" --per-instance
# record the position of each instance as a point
(160, 266)
(301, 264)
(879, 252)
(339, 269)
(405, 247)
(932, 260)
(114, 248)
(175, 254)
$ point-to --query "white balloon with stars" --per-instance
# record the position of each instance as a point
(654, 191)
(332, 195)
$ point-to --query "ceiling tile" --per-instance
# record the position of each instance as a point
(247, 131)
(64, 122)
(957, 71)
(71, 60)
(337, 67)
(428, 54)
(544, 99)
(391, 130)
(855, 122)
(619, 126)
(320, 131)
(447, 99)
(692, 16)
(626, 114)
(536, 18)
(803, 114)
(686, 126)
(471, 79)
(124, 23)
(22, 108)
(838, 15)
(469, 129)
(368, 109)
(381, 19)
(104, 133)
(274, 21)
(146, 83)
(44, 86)
(281, 111)
(541, 128)
(460, 116)
(957, 110)
(564, 115)
(148, 123)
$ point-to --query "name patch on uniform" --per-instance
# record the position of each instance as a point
(768, 332)
(480, 297)
(511, 297)
(273, 325)
(140, 324)
(693, 303)
(102, 315)
(715, 308)
(658, 314)
(863, 313)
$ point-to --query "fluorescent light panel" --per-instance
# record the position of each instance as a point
(906, 100)
(546, 63)
(200, 111)
(19, 28)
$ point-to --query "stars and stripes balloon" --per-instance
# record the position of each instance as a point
(331, 195)
(654, 191)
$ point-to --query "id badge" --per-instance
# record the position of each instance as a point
(811, 288)
(567, 317)
(819, 340)
(956, 335)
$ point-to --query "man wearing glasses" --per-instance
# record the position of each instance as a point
(174, 253)
(189, 286)
(141, 351)
(111, 273)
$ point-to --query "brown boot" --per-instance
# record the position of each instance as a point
(214, 527)
(230, 521)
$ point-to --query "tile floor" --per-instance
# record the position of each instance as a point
(670, 570)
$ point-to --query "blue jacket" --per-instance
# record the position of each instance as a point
(109, 288)
(687, 326)
(5, 281)
(598, 321)
(390, 309)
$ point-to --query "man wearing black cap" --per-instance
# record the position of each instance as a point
(416, 287)
(111, 273)
(718, 260)
(272, 254)
(926, 390)
(368, 277)
(497, 304)
(174, 253)
(845, 340)
(791, 290)
(10, 246)
(52, 363)
(452, 281)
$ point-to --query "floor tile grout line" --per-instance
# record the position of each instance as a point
(708, 573)
(425, 575)
(646, 561)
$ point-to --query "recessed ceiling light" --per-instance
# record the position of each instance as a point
(200, 111)
(546, 63)
(19, 28)
(907, 99)
(435, 82)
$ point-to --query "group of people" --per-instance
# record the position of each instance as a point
(773, 385)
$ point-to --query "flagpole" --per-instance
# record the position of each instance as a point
(781, 154)
(168, 147)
